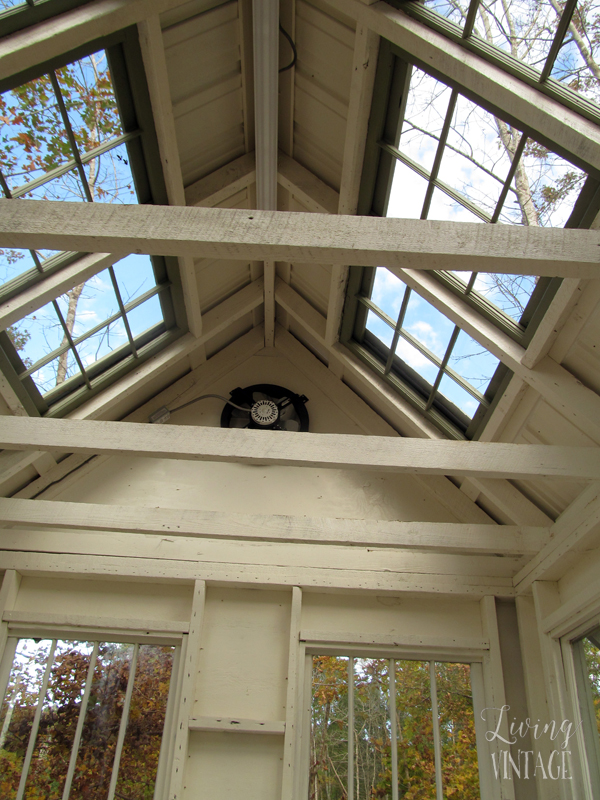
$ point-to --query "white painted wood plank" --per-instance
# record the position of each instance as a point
(323, 450)
(92, 623)
(8, 596)
(190, 671)
(70, 30)
(269, 302)
(293, 731)
(222, 183)
(402, 640)
(312, 192)
(364, 65)
(334, 579)
(233, 725)
(519, 101)
(155, 66)
(438, 536)
(576, 525)
(301, 237)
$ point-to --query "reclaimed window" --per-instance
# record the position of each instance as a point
(77, 133)
(83, 719)
(391, 729)
(587, 672)
(435, 154)
(551, 45)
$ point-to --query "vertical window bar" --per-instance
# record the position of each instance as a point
(71, 136)
(397, 330)
(36, 722)
(71, 344)
(509, 177)
(350, 729)
(393, 729)
(123, 725)
(122, 310)
(437, 744)
(439, 154)
(5, 669)
(443, 366)
(80, 720)
(470, 20)
(557, 42)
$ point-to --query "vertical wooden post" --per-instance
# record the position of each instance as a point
(495, 697)
(292, 716)
(190, 672)
(8, 596)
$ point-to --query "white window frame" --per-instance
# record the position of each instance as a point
(475, 657)
(588, 746)
(24, 630)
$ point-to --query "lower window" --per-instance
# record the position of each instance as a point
(83, 719)
(387, 728)
(586, 651)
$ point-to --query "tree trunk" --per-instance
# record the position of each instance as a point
(73, 295)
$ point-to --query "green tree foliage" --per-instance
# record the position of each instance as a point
(371, 737)
(592, 658)
(60, 713)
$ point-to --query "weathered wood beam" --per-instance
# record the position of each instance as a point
(222, 183)
(269, 302)
(509, 96)
(323, 450)
(309, 190)
(63, 33)
(157, 77)
(442, 537)
(576, 526)
(302, 237)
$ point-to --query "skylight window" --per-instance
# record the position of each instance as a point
(64, 136)
(435, 154)
(551, 41)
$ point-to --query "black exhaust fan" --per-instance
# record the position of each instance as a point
(266, 406)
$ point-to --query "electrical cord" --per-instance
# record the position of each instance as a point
(293, 46)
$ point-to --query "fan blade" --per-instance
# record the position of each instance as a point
(260, 396)
(239, 414)
(290, 425)
(239, 422)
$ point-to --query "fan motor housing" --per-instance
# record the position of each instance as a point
(269, 407)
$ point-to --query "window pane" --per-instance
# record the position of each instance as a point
(428, 325)
(134, 275)
(510, 293)
(141, 748)
(452, 10)
(145, 316)
(18, 710)
(473, 362)
(591, 649)
(415, 359)
(388, 292)
(109, 177)
(60, 713)
(329, 729)
(33, 139)
(524, 30)
(416, 762)
(56, 372)
(457, 731)
(407, 193)
(425, 112)
(372, 770)
(458, 396)
(380, 328)
(14, 262)
(90, 101)
(576, 64)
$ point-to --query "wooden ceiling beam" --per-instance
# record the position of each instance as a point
(322, 450)
(437, 536)
(301, 237)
